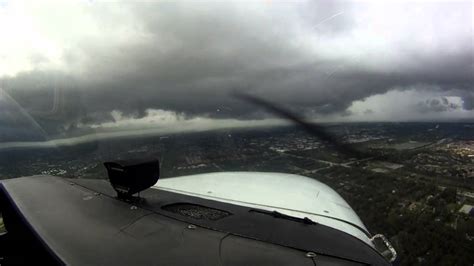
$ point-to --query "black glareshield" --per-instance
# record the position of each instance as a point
(128, 177)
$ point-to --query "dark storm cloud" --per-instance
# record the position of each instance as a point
(468, 100)
(189, 58)
(437, 105)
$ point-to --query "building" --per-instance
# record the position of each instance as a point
(467, 209)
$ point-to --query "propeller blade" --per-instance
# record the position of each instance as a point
(311, 128)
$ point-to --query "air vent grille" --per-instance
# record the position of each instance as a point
(197, 212)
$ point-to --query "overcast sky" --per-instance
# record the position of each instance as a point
(82, 66)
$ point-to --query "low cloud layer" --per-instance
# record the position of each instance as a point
(437, 105)
(72, 70)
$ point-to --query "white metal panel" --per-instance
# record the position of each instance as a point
(295, 195)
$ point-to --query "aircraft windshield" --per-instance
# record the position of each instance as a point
(375, 99)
